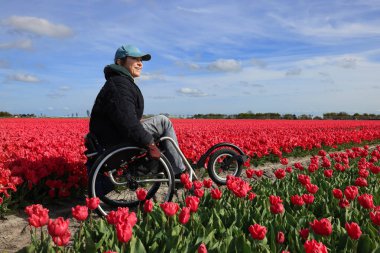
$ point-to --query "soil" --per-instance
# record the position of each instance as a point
(14, 229)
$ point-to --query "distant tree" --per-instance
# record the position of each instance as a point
(5, 114)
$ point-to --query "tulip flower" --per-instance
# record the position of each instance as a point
(280, 237)
(353, 230)
(375, 217)
(321, 227)
(58, 227)
(184, 215)
(92, 203)
(249, 173)
(123, 232)
(207, 183)
(192, 202)
(337, 193)
(216, 193)
(148, 206)
(141, 194)
(304, 233)
(202, 248)
(314, 247)
(62, 240)
(366, 201)
(350, 192)
(197, 184)
(80, 213)
(257, 231)
(170, 208)
(38, 216)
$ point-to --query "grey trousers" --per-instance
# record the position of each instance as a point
(160, 126)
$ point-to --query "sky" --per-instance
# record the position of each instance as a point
(298, 57)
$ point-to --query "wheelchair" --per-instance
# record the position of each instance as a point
(116, 173)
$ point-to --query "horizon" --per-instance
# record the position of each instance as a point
(229, 57)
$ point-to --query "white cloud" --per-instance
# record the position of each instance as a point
(38, 26)
(25, 44)
(225, 65)
(27, 78)
(192, 92)
(151, 76)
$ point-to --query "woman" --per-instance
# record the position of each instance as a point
(116, 116)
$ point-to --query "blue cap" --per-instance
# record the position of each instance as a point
(129, 50)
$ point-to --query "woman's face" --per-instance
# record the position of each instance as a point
(134, 66)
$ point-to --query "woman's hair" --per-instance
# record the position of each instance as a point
(122, 60)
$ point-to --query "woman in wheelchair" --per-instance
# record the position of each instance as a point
(116, 119)
(116, 116)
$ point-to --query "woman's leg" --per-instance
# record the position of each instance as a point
(160, 126)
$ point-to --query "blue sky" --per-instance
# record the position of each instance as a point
(302, 57)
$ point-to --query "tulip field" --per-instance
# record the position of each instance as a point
(330, 203)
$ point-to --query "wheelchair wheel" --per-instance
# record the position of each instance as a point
(222, 163)
(117, 174)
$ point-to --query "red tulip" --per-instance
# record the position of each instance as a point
(366, 201)
(192, 202)
(308, 198)
(197, 184)
(303, 179)
(311, 188)
(199, 193)
(375, 217)
(92, 203)
(337, 193)
(362, 182)
(284, 161)
(321, 227)
(314, 247)
(80, 213)
(58, 227)
(259, 173)
(216, 193)
(251, 195)
(202, 248)
(343, 203)
(185, 178)
(249, 173)
(280, 173)
(257, 231)
(277, 208)
(328, 173)
(63, 239)
(207, 183)
(148, 206)
(304, 233)
(38, 216)
(297, 200)
(280, 237)
(184, 215)
(141, 194)
(274, 199)
(353, 230)
(170, 208)
(350, 192)
(123, 232)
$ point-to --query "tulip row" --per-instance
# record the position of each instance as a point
(314, 207)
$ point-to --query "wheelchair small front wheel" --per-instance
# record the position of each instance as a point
(117, 174)
(222, 163)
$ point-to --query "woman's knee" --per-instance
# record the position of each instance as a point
(164, 120)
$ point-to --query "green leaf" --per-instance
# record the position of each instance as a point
(136, 245)
(365, 244)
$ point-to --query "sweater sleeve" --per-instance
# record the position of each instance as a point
(124, 114)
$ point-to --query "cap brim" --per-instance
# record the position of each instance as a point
(146, 57)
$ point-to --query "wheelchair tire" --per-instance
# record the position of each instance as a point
(222, 163)
(119, 190)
